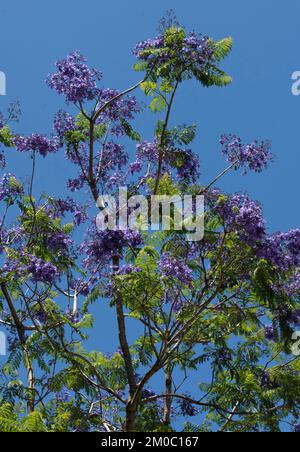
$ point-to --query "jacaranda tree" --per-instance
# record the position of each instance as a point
(222, 309)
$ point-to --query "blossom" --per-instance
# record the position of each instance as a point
(41, 271)
(255, 156)
(292, 287)
(117, 109)
(187, 165)
(147, 151)
(60, 207)
(38, 143)
(297, 428)
(129, 269)
(282, 249)
(135, 167)
(265, 381)
(186, 54)
(63, 123)
(58, 242)
(173, 267)
(243, 216)
(187, 408)
(77, 183)
(9, 187)
(74, 79)
(184, 161)
(102, 245)
(148, 393)
(294, 317)
(269, 333)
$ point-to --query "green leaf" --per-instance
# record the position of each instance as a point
(149, 88)
(223, 48)
(158, 104)
(130, 132)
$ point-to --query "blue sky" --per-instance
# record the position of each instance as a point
(259, 104)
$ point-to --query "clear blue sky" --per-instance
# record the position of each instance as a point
(259, 104)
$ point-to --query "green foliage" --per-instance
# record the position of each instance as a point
(6, 137)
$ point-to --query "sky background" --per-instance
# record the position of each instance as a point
(259, 104)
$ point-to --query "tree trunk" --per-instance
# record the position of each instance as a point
(168, 400)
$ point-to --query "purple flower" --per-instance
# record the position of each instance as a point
(118, 110)
(294, 317)
(187, 165)
(63, 123)
(147, 151)
(76, 184)
(103, 245)
(10, 187)
(60, 207)
(187, 408)
(59, 242)
(292, 287)
(38, 143)
(297, 428)
(129, 270)
(74, 79)
(63, 396)
(174, 268)
(41, 271)
(255, 156)
(243, 216)
(269, 333)
(148, 393)
(174, 50)
(265, 380)
(282, 249)
(136, 167)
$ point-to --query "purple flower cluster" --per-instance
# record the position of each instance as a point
(38, 143)
(63, 123)
(255, 156)
(294, 317)
(184, 161)
(147, 151)
(187, 408)
(269, 333)
(297, 428)
(122, 108)
(102, 245)
(41, 271)
(188, 168)
(135, 167)
(9, 187)
(77, 183)
(292, 287)
(74, 317)
(59, 242)
(74, 79)
(265, 381)
(63, 396)
(129, 269)
(60, 207)
(114, 157)
(282, 249)
(148, 393)
(175, 47)
(243, 216)
(172, 267)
